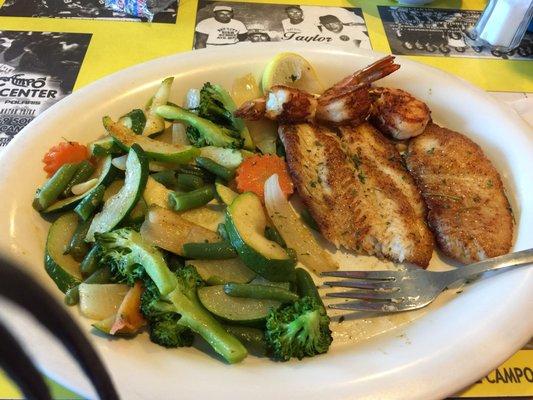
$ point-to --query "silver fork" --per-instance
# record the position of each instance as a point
(393, 291)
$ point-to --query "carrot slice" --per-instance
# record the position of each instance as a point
(255, 170)
(129, 318)
(63, 153)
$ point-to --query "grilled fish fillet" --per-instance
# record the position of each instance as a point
(357, 190)
(468, 210)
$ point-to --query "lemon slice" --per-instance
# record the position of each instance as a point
(293, 70)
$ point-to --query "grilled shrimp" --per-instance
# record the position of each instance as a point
(397, 113)
(283, 104)
(346, 102)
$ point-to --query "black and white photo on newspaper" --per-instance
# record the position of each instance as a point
(165, 11)
(231, 23)
(37, 69)
(441, 32)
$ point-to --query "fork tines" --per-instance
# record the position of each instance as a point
(373, 285)
(377, 290)
(379, 275)
(362, 305)
(363, 295)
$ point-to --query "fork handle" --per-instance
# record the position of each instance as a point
(517, 259)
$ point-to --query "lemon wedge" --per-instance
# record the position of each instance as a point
(291, 69)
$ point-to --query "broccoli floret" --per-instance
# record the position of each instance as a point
(214, 106)
(130, 258)
(163, 320)
(197, 318)
(300, 329)
(169, 301)
(217, 106)
(195, 137)
(167, 332)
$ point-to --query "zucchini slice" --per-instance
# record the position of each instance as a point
(154, 166)
(119, 206)
(103, 147)
(229, 158)
(105, 172)
(113, 188)
(61, 267)
(245, 224)
(223, 271)
(134, 120)
(138, 212)
(235, 309)
(154, 149)
(225, 194)
(156, 193)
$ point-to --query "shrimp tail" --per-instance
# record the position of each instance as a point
(252, 109)
(371, 73)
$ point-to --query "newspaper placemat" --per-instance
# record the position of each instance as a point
(37, 69)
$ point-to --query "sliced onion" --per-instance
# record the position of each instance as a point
(179, 134)
(81, 188)
(295, 233)
(166, 229)
(192, 100)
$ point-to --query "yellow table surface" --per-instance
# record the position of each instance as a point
(118, 44)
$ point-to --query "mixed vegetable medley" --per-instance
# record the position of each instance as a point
(177, 222)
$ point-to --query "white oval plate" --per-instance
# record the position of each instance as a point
(442, 351)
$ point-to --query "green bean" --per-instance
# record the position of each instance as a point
(309, 220)
(100, 276)
(306, 286)
(271, 233)
(86, 207)
(214, 281)
(194, 199)
(265, 292)
(89, 264)
(85, 170)
(259, 280)
(195, 170)
(215, 168)
(77, 247)
(51, 190)
(72, 296)
(189, 182)
(166, 177)
(209, 251)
